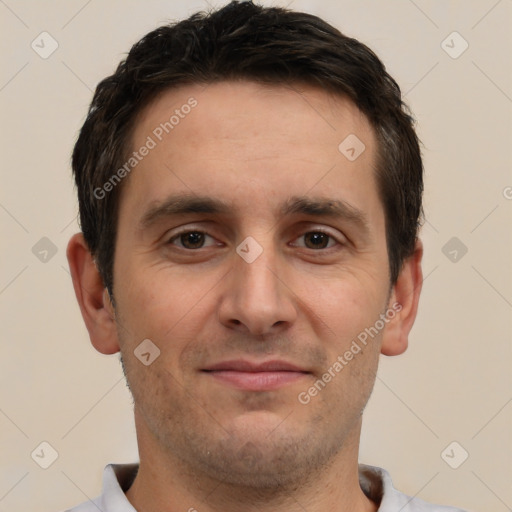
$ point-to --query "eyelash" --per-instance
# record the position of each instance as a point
(185, 232)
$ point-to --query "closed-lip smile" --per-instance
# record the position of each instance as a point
(256, 376)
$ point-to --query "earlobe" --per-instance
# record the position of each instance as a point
(95, 304)
(404, 301)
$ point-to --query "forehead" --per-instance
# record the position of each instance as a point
(292, 111)
(241, 140)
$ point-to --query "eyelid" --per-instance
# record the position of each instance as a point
(185, 230)
(339, 239)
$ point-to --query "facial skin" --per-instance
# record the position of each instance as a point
(205, 442)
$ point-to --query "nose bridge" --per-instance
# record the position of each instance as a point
(258, 274)
(255, 297)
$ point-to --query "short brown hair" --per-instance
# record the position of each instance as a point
(269, 45)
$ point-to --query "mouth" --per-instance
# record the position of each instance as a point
(250, 376)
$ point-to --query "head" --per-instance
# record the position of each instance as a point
(207, 49)
(261, 123)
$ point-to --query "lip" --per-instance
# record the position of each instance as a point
(242, 365)
(256, 376)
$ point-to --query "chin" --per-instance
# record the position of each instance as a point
(265, 460)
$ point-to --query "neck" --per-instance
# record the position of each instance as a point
(168, 484)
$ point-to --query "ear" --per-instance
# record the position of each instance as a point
(404, 298)
(95, 304)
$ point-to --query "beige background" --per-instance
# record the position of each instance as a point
(453, 384)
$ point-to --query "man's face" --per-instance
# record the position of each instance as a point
(208, 300)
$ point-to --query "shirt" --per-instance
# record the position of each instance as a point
(375, 483)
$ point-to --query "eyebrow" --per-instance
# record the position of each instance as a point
(186, 204)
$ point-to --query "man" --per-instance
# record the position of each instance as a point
(249, 185)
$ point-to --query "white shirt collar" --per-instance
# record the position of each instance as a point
(375, 482)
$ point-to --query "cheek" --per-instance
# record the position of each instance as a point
(161, 304)
(348, 311)
(347, 306)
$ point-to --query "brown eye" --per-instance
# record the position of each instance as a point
(190, 239)
(316, 240)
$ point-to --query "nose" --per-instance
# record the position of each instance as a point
(256, 298)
